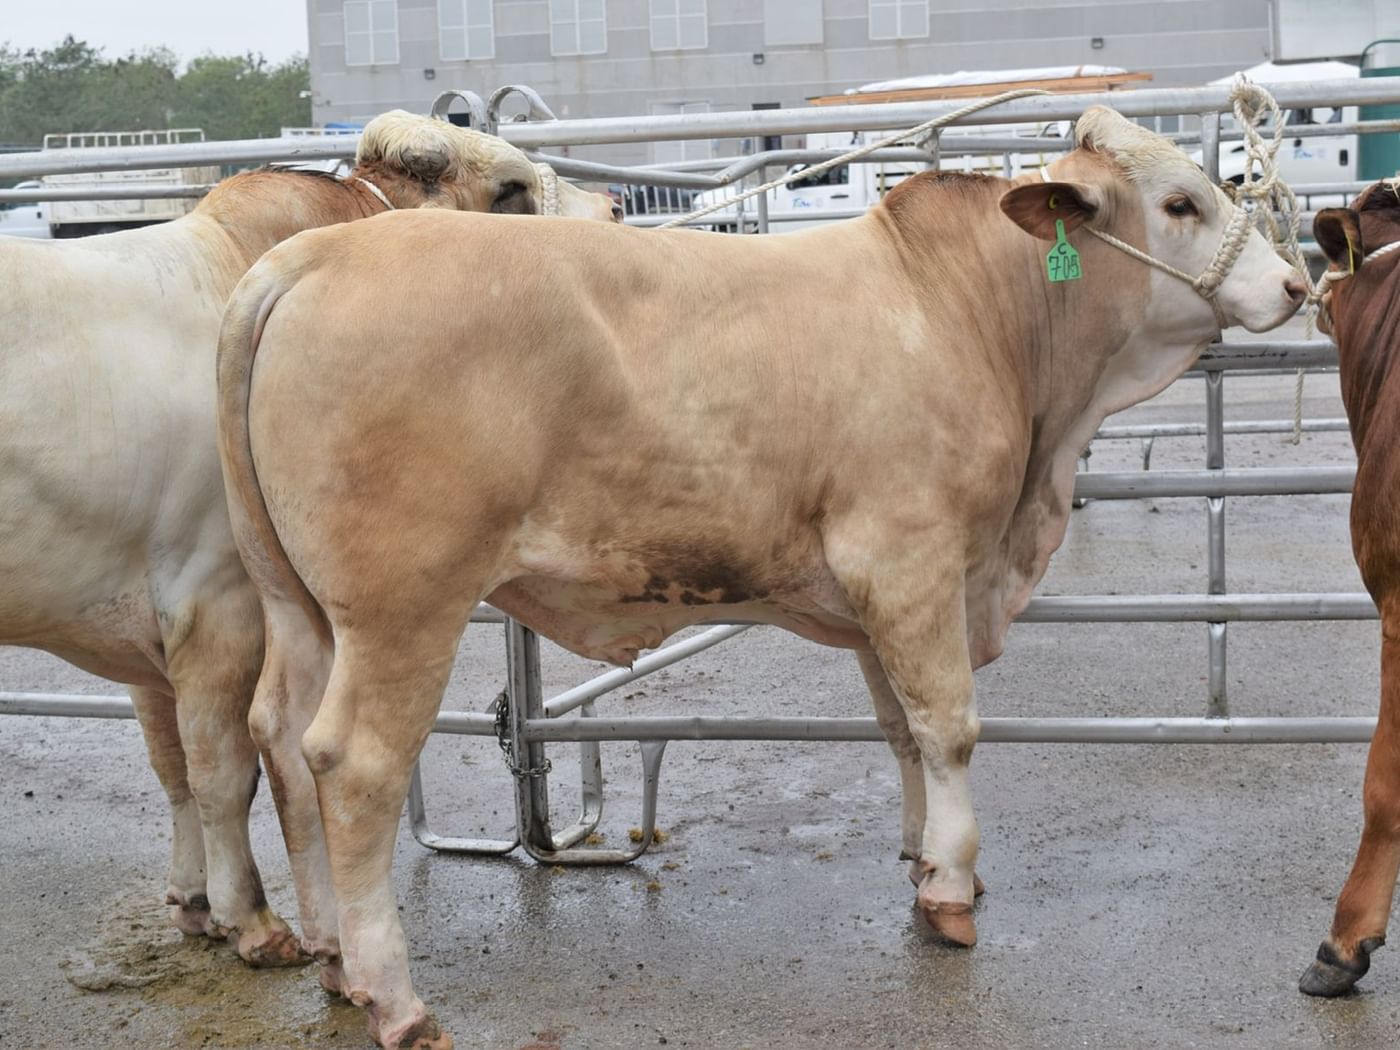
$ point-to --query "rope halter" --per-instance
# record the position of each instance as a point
(1331, 277)
(549, 188)
(1207, 284)
(373, 189)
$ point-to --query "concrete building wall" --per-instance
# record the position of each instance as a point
(754, 52)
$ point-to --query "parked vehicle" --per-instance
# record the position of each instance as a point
(86, 217)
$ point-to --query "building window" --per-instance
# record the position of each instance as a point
(684, 149)
(678, 25)
(465, 30)
(786, 23)
(578, 27)
(371, 32)
(898, 19)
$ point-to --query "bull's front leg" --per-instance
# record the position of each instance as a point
(1363, 909)
(912, 608)
(889, 712)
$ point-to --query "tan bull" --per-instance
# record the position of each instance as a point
(115, 547)
(613, 434)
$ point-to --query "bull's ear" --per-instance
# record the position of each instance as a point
(1035, 207)
(1338, 233)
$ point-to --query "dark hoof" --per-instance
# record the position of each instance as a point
(1330, 975)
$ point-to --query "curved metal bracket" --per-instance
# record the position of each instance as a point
(476, 109)
(562, 853)
(538, 110)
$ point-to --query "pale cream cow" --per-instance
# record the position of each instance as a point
(115, 547)
(613, 434)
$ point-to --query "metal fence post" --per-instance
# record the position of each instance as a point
(1218, 705)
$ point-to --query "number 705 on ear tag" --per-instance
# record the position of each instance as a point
(1062, 264)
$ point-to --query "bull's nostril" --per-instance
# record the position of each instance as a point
(617, 213)
(1295, 289)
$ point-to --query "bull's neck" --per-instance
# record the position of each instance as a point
(1368, 341)
(257, 210)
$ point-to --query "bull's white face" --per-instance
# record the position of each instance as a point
(1185, 218)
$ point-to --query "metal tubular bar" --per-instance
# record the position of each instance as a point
(1303, 131)
(891, 116)
(649, 664)
(739, 124)
(1249, 357)
(102, 193)
(1337, 730)
(1217, 703)
(1186, 608)
(1262, 481)
(1210, 145)
(1253, 426)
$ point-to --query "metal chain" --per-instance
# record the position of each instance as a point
(505, 739)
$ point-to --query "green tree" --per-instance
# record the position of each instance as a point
(73, 87)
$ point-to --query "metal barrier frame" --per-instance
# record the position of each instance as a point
(532, 722)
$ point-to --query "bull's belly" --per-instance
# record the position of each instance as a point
(598, 623)
(116, 636)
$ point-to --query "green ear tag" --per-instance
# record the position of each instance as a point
(1062, 264)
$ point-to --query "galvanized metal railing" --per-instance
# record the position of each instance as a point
(527, 723)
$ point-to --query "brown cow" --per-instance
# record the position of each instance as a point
(1363, 243)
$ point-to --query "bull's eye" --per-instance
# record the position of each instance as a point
(1180, 207)
(509, 190)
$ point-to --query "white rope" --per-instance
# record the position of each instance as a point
(918, 131)
(1271, 196)
(549, 184)
(373, 189)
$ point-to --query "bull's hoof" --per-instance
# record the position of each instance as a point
(333, 977)
(190, 915)
(951, 921)
(1331, 975)
(917, 872)
(275, 945)
(423, 1034)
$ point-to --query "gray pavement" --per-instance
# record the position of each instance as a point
(1137, 896)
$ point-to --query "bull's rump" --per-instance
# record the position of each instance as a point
(636, 431)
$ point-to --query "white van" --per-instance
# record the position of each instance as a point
(1301, 160)
(25, 219)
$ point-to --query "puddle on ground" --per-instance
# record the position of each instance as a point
(140, 964)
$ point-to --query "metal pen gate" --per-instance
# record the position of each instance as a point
(525, 722)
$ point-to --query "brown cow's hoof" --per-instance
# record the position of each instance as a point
(951, 921)
(1330, 975)
(191, 915)
(273, 946)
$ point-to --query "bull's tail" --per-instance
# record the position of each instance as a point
(261, 548)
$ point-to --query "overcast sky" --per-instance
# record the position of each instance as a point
(277, 28)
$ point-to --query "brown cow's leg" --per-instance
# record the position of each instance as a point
(288, 694)
(213, 670)
(384, 690)
(1363, 909)
(186, 890)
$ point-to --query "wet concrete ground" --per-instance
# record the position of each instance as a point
(1137, 896)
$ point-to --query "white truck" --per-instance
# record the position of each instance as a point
(85, 217)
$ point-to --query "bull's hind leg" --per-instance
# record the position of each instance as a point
(915, 619)
(214, 670)
(1363, 909)
(185, 892)
(289, 691)
(889, 712)
(385, 687)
